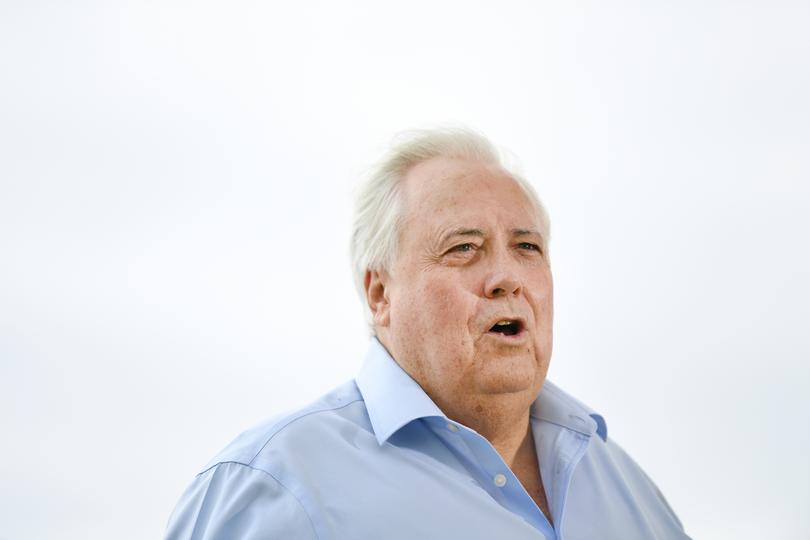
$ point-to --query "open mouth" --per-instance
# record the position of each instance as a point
(507, 327)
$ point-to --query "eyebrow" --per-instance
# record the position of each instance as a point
(464, 231)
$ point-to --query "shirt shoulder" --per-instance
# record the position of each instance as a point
(636, 476)
(251, 488)
(232, 500)
(627, 494)
(342, 406)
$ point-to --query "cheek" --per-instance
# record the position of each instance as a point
(448, 305)
(417, 309)
(541, 298)
(437, 317)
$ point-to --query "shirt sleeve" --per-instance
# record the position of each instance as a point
(235, 501)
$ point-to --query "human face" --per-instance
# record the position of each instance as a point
(470, 256)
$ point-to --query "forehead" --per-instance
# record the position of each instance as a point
(462, 192)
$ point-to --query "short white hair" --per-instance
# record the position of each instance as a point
(378, 207)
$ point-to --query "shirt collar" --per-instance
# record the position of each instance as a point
(558, 407)
(393, 399)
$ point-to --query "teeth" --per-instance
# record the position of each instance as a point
(503, 323)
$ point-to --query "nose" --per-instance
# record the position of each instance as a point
(501, 284)
(503, 280)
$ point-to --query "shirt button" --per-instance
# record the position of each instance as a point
(500, 480)
(452, 427)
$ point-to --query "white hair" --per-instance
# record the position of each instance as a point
(378, 207)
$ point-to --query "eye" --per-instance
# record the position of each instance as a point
(463, 248)
(529, 246)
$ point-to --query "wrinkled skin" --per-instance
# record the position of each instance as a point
(433, 309)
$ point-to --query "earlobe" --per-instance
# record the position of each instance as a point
(377, 296)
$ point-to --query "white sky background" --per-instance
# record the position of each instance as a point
(175, 196)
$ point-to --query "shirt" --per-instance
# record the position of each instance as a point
(377, 459)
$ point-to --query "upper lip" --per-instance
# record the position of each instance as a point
(495, 320)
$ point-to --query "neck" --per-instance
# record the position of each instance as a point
(501, 418)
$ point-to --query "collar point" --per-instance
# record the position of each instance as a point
(601, 426)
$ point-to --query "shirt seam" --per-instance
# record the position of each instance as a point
(279, 482)
(295, 418)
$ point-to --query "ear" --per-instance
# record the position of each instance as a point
(377, 296)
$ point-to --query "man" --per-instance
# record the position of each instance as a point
(450, 429)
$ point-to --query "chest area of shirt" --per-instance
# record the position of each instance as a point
(405, 502)
(421, 486)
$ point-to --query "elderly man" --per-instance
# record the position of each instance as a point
(450, 429)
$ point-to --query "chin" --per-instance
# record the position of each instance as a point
(507, 382)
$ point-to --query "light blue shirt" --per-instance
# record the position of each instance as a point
(377, 459)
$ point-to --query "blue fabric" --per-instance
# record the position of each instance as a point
(376, 458)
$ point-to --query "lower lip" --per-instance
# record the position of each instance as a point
(514, 338)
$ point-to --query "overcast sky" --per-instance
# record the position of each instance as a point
(176, 183)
